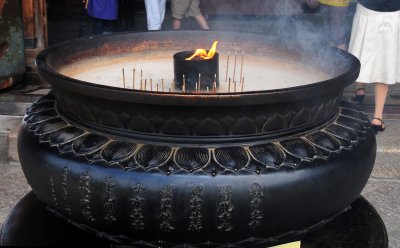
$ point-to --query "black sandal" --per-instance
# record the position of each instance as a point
(378, 128)
(359, 98)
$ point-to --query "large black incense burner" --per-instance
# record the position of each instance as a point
(164, 167)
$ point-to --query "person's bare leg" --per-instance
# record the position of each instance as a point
(381, 91)
(176, 24)
(202, 22)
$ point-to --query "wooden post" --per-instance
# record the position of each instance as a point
(35, 29)
(28, 11)
(2, 2)
(41, 30)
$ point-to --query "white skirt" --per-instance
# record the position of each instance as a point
(375, 41)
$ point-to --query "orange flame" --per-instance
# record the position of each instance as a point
(201, 54)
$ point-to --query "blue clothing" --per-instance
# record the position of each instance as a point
(103, 9)
(381, 5)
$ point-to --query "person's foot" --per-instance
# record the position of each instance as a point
(378, 125)
(359, 96)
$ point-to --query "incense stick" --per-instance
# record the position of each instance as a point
(133, 80)
(234, 68)
(151, 84)
(184, 84)
(199, 80)
(215, 83)
(241, 67)
(123, 76)
(227, 68)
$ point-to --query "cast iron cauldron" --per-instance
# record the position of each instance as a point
(165, 168)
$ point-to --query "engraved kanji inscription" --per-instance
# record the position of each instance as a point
(136, 202)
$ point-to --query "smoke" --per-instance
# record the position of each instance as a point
(281, 19)
(291, 23)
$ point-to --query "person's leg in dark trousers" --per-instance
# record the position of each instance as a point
(126, 15)
(82, 24)
(98, 26)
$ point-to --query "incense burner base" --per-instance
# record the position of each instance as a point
(30, 224)
(130, 189)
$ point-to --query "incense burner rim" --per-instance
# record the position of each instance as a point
(63, 82)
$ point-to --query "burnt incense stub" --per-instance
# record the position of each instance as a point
(188, 73)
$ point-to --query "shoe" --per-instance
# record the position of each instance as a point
(378, 128)
(359, 98)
